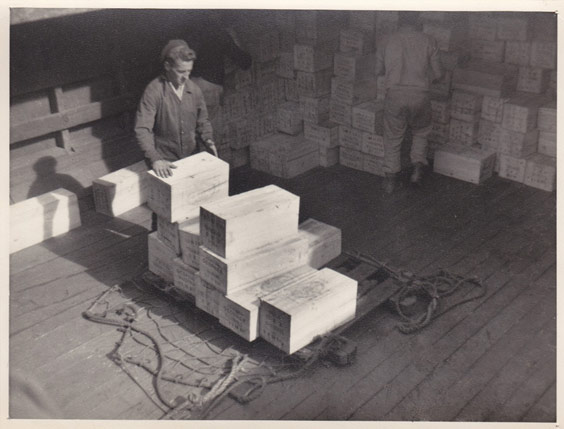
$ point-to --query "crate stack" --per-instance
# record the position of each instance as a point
(173, 250)
(252, 249)
(502, 93)
(231, 253)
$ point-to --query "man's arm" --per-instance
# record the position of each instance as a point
(203, 124)
(144, 123)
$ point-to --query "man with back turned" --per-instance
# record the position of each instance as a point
(409, 60)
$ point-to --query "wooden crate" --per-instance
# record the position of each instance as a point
(463, 132)
(353, 92)
(350, 138)
(185, 277)
(547, 117)
(197, 179)
(533, 79)
(244, 222)
(292, 317)
(488, 50)
(369, 117)
(466, 106)
(228, 275)
(286, 68)
(121, 190)
(351, 158)
(364, 20)
(36, 219)
(486, 78)
(489, 134)
(315, 84)
(239, 311)
(289, 118)
(314, 109)
(373, 164)
(190, 241)
(518, 144)
(518, 53)
(509, 28)
(492, 108)
(540, 172)
(520, 113)
(353, 68)
(372, 144)
(325, 134)
(439, 132)
(317, 26)
(328, 156)
(313, 58)
(340, 112)
(464, 163)
(323, 242)
(355, 41)
(291, 90)
(482, 26)
(208, 298)
(543, 54)
(547, 143)
(512, 168)
(160, 258)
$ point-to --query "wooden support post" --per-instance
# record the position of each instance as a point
(57, 105)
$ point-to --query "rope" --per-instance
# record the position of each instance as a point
(433, 288)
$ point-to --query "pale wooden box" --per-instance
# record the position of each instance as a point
(323, 242)
(122, 190)
(246, 221)
(197, 179)
(228, 275)
(464, 163)
(540, 172)
(36, 219)
(161, 258)
(239, 311)
(292, 317)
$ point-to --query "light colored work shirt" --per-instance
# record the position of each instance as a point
(409, 59)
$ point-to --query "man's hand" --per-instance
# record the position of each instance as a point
(211, 146)
(163, 168)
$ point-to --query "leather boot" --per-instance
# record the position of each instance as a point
(417, 175)
(390, 182)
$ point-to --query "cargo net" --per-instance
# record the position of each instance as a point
(183, 363)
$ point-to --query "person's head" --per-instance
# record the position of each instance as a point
(408, 17)
(177, 59)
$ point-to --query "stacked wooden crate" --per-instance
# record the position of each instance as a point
(174, 247)
(507, 89)
(252, 248)
(229, 253)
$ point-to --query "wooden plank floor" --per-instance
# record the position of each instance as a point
(493, 359)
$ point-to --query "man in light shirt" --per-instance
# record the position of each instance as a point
(409, 61)
(172, 112)
(172, 117)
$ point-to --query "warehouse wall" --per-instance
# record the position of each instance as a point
(75, 81)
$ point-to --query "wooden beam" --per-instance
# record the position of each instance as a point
(70, 118)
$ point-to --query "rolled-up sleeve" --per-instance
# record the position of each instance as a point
(144, 123)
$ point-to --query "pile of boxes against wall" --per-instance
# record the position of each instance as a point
(500, 112)
(312, 98)
(244, 258)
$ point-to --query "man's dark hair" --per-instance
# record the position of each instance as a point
(180, 54)
(409, 17)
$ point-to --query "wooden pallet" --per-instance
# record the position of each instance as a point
(375, 287)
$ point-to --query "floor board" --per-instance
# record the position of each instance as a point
(501, 232)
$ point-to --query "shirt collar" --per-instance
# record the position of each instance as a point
(188, 86)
